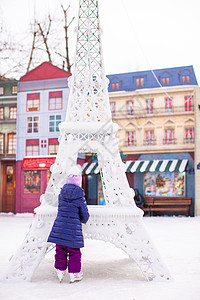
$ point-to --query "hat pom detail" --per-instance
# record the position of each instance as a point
(75, 170)
(74, 175)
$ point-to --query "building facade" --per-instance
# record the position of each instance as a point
(42, 104)
(8, 115)
(156, 118)
(197, 151)
(155, 111)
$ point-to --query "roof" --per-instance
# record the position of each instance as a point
(45, 71)
(151, 79)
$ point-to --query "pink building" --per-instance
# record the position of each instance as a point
(41, 105)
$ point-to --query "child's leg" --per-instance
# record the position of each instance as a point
(74, 263)
(61, 257)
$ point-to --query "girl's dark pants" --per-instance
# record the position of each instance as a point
(68, 257)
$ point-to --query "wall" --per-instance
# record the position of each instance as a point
(197, 152)
(158, 121)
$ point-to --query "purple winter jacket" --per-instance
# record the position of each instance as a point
(72, 211)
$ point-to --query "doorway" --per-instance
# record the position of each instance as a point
(8, 186)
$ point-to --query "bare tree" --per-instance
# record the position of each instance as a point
(45, 37)
(49, 39)
(32, 50)
(66, 36)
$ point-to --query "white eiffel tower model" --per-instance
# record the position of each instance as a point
(88, 128)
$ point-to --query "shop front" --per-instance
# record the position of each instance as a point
(8, 186)
(33, 176)
(163, 175)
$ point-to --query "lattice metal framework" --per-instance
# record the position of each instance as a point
(88, 99)
(88, 128)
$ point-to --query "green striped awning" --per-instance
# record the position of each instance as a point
(166, 165)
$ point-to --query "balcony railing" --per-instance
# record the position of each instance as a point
(188, 140)
(130, 143)
(148, 142)
(169, 141)
(142, 113)
(151, 142)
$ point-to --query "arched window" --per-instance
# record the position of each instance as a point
(165, 78)
(115, 83)
(185, 76)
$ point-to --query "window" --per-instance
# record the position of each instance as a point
(165, 80)
(130, 107)
(1, 113)
(55, 100)
(32, 147)
(164, 184)
(131, 138)
(54, 121)
(169, 136)
(2, 143)
(33, 102)
(32, 181)
(32, 124)
(149, 137)
(168, 105)
(185, 78)
(53, 146)
(1, 90)
(188, 103)
(140, 82)
(115, 86)
(14, 89)
(149, 106)
(189, 136)
(11, 143)
(112, 108)
(48, 176)
(13, 112)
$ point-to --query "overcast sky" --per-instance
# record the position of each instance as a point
(137, 35)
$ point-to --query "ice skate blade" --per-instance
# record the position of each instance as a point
(75, 281)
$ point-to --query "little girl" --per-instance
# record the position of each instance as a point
(66, 232)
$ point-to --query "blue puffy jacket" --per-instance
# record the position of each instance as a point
(72, 211)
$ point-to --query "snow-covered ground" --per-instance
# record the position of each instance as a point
(109, 274)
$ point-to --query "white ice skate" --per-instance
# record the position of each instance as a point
(60, 274)
(75, 276)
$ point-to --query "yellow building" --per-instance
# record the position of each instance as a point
(197, 151)
(156, 117)
(155, 120)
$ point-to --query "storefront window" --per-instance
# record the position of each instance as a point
(164, 184)
(48, 176)
(101, 200)
(31, 181)
(9, 180)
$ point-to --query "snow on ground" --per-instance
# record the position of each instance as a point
(108, 272)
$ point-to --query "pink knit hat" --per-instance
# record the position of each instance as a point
(74, 176)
